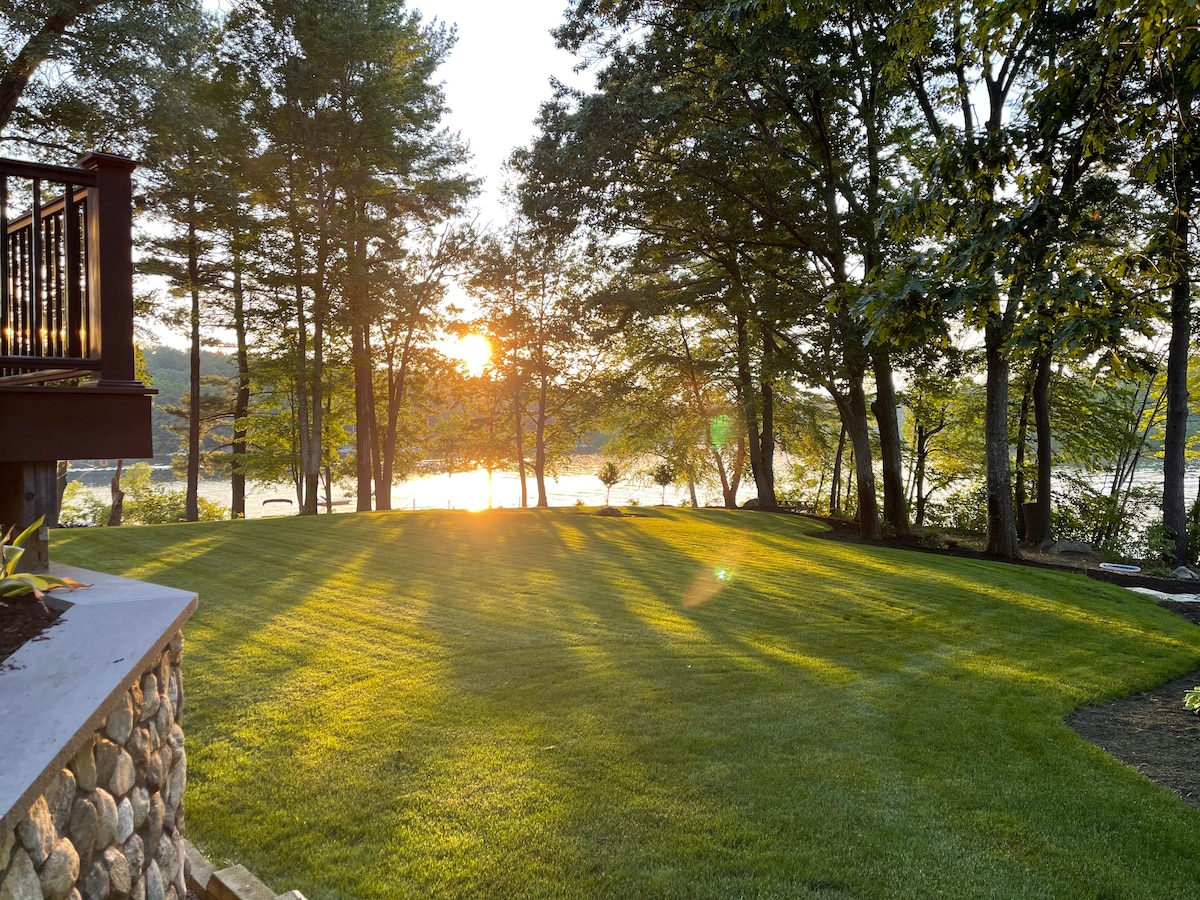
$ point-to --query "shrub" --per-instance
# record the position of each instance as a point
(962, 510)
(1191, 700)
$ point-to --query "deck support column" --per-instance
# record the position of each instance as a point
(29, 490)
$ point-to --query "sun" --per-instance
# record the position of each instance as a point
(473, 351)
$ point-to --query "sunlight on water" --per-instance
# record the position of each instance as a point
(461, 490)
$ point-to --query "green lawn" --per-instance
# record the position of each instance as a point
(688, 704)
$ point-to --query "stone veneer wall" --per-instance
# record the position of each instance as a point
(110, 825)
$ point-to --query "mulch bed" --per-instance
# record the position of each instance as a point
(22, 621)
(1151, 731)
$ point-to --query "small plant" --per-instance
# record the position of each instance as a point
(1191, 700)
(932, 540)
(1160, 542)
(609, 475)
(663, 475)
(15, 584)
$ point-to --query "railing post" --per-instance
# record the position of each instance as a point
(110, 266)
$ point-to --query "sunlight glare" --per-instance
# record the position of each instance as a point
(473, 351)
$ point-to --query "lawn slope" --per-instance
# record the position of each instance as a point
(687, 704)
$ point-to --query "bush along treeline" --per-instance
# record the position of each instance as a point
(929, 265)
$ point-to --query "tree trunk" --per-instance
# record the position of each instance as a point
(192, 503)
(39, 47)
(765, 482)
(539, 447)
(919, 475)
(117, 511)
(519, 441)
(241, 403)
(1174, 509)
(835, 486)
(1041, 535)
(364, 413)
(895, 510)
(60, 487)
(1002, 527)
(855, 418)
(1019, 493)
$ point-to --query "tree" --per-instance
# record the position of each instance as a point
(1004, 196)
(663, 475)
(674, 396)
(531, 287)
(58, 53)
(609, 476)
(755, 146)
(1171, 55)
(347, 116)
(183, 196)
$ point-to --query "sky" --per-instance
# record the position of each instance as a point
(497, 75)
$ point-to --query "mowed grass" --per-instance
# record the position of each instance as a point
(687, 704)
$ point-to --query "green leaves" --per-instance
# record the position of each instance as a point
(19, 584)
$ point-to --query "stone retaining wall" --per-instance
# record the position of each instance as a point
(109, 825)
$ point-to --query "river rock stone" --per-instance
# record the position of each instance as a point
(166, 755)
(120, 721)
(118, 872)
(8, 839)
(85, 821)
(180, 880)
(139, 799)
(168, 861)
(138, 892)
(84, 767)
(60, 871)
(36, 831)
(155, 773)
(96, 886)
(150, 698)
(175, 691)
(124, 820)
(106, 760)
(106, 812)
(135, 853)
(175, 739)
(154, 824)
(21, 883)
(154, 882)
(139, 747)
(60, 797)
(124, 775)
(135, 694)
(165, 715)
(177, 782)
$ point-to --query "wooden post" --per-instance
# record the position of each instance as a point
(110, 265)
(27, 491)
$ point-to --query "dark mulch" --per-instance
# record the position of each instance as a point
(1151, 731)
(22, 621)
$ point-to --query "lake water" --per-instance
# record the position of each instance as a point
(577, 481)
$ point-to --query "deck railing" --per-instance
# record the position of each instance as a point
(66, 300)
